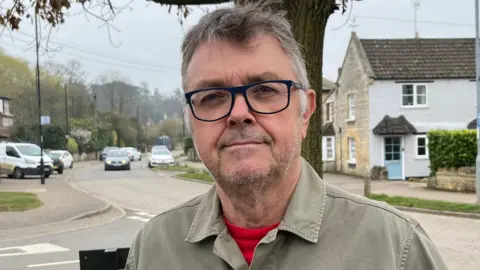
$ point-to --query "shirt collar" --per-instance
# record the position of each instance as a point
(303, 216)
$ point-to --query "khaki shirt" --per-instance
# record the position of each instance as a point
(324, 228)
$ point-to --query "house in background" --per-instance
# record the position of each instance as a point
(328, 139)
(390, 93)
(6, 118)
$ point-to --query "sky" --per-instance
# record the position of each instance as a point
(144, 41)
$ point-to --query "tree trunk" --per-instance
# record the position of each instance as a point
(309, 20)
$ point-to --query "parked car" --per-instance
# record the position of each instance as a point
(117, 160)
(133, 153)
(105, 151)
(20, 159)
(160, 156)
(58, 164)
(64, 156)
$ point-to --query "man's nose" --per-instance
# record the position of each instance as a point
(240, 113)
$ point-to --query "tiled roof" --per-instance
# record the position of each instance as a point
(327, 84)
(394, 125)
(421, 58)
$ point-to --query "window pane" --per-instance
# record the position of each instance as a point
(396, 148)
(407, 100)
(388, 156)
(421, 151)
(388, 148)
(396, 156)
(421, 141)
(421, 100)
(421, 90)
(407, 89)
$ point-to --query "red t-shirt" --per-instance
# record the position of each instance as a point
(247, 239)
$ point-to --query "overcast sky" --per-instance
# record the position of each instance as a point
(149, 38)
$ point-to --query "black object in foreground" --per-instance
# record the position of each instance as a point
(103, 259)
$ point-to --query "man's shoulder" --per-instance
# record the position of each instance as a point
(377, 212)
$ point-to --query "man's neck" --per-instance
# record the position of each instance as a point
(267, 208)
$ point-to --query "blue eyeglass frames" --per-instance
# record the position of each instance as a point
(264, 97)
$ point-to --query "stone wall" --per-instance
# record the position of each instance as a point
(460, 180)
(353, 79)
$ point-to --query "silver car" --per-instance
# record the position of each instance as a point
(117, 160)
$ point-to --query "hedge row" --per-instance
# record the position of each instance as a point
(452, 149)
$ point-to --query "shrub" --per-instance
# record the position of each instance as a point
(452, 149)
(72, 146)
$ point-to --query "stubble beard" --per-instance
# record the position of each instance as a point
(247, 188)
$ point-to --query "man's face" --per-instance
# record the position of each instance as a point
(246, 147)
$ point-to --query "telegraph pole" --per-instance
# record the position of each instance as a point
(37, 47)
(66, 111)
(477, 61)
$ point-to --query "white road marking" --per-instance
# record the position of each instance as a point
(31, 249)
(52, 264)
(138, 218)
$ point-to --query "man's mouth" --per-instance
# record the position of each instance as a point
(241, 143)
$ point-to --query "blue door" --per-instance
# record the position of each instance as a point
(393, 157)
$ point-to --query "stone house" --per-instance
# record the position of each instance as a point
(390, 93)
(6, 118)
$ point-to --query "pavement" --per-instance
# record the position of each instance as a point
(392, 188)
(61, 201)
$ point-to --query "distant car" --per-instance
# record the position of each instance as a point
(105, 151)
(133, 153)
(58, 164)
(64, 156)
(117, 160)
(160, 156)
(164, 140)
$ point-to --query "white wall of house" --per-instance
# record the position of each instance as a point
(436, 104)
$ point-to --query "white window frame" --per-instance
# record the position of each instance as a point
(325, 148)
(6, 106)
(351, 107)
(415, 96)
(352, 151)
(427, 154)
(329, 111)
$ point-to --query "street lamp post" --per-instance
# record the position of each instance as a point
(37, 47)
(477, 61)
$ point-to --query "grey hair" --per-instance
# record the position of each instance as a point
(239, 25)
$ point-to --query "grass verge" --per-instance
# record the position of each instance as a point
(427, 204)
(173, 168)
(18, 201)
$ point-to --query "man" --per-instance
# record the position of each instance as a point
(249, 99)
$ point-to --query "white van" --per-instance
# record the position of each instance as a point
(20, 159)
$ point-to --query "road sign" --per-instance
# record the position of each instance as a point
(45, 120)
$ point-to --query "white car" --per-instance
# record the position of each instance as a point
(133, 153)
(20, 159)
(160, 156)
(65, 157)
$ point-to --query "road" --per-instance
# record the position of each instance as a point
(145, 193)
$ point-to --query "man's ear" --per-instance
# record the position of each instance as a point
(309, 110)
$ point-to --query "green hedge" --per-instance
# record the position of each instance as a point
(452, 149)
(187, 144)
